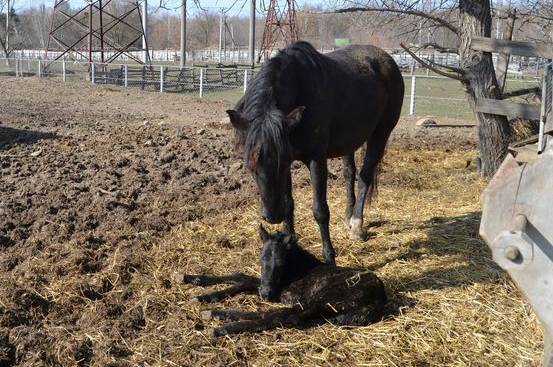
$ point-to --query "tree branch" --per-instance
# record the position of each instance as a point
(428, 64)
(437, 47)
(522, 92)
(414, 12)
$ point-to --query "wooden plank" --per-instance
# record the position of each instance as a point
(521, 48)
(506, 108)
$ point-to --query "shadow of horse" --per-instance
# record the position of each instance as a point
(10, 136)
(456, 238)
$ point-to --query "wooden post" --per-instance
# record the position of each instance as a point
(92, 73)
(161, 71)
(39, 68)
(126, 68)
(201, 82)
(63, 70)
(412, 105)
(503, 58)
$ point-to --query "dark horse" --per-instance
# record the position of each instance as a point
(311, 289)
(306, 106)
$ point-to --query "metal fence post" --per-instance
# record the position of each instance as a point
(16, 67)
(161, 71)
(201, 82)
(63, 70)
(413, 94)
(39, 68)
(92, 73)
(245, 79)
(126, 68)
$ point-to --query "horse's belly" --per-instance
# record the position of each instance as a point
(345, 138)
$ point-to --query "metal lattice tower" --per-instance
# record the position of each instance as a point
(281, 26)
(84, 29)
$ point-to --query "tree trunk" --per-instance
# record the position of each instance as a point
(494, 131)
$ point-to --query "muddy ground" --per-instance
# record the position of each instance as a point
(90, 178)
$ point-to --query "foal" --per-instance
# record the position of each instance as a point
(311, 289)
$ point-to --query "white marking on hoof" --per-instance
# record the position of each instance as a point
(356, 229)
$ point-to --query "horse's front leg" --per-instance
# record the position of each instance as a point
(319, 173)
(288, 224)
(242, 283)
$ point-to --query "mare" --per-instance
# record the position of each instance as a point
(306, 106)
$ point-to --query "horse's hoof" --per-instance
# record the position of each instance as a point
(195, 299)
(356, 236)
(206, 315)
(179, 278)
(217, 332)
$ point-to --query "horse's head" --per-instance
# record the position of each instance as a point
(268, 155)
(276, 248)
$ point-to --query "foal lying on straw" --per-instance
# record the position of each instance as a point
(291, 275)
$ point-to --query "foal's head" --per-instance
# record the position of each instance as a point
(268, 154)
(276, 247)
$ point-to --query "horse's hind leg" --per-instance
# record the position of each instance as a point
(368, 176)
(287, 317)
(349, 172)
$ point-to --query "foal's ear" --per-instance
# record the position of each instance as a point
(295, 116)
(288, 241)
(263, 234)
(237, 120)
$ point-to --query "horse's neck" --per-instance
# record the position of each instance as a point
(299, 263)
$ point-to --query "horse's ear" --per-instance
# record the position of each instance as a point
(237, 120)
(263, 234)
(295, 116)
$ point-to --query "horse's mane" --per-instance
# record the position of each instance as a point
(259, 105)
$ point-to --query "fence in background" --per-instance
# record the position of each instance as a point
(424, 95)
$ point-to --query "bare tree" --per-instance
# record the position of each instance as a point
(464, 19)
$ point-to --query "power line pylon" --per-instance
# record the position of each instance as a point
(105, 27)
(281, 26)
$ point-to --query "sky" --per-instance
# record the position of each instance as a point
(235, 7)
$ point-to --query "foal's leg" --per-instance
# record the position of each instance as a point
(348, 170)
(242, 283)
(287, 317)
(288, 225)
(319, 172)
(207, 280)
(231, 315)
(376, 146)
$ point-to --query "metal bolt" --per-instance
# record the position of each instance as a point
(512, 253)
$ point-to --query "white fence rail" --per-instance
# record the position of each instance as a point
(424, 95)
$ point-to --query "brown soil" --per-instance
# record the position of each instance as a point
(90, 178)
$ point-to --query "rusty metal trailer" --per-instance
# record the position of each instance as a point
(517, 213)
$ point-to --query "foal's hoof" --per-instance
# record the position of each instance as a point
(216, 332)
(206, 315)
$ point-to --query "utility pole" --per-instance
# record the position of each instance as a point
(221, 35)
(8, 27)
(251, 45)
(145, 25)
(183, 34)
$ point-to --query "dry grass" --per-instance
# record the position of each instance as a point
(451, 306)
